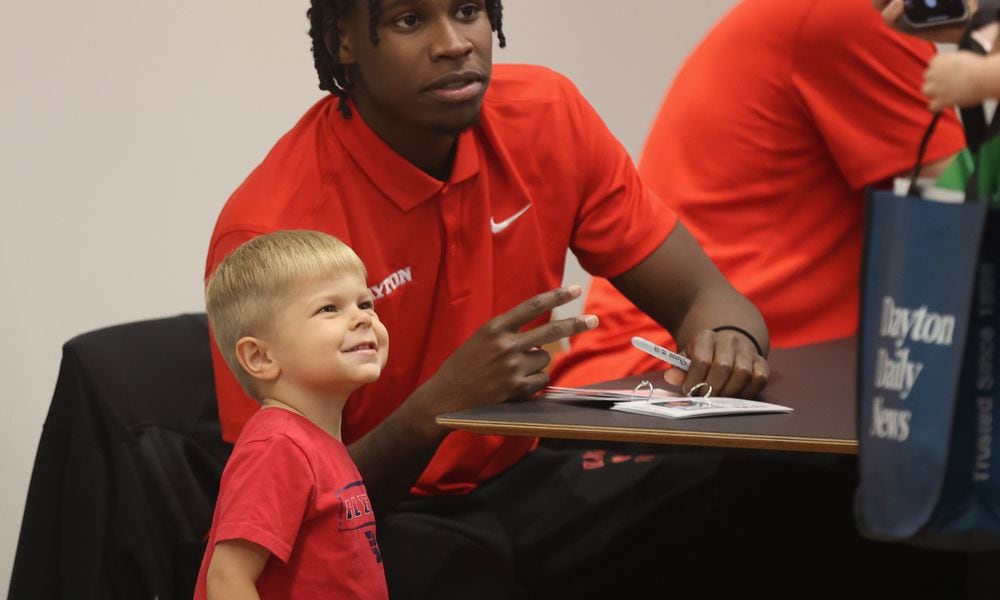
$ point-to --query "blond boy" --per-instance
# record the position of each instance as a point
(295, 321)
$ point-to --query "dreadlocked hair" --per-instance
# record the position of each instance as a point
(323, 16)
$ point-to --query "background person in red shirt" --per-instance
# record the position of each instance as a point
(764, 144)
(462, 186)
(296, 324)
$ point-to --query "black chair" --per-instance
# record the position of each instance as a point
(127, 471)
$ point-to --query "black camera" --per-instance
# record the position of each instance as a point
(924, 14)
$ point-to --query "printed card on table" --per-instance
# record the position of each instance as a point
(668, 404)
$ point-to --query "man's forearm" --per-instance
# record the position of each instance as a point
(724, 307)
(392, 456)
(682, 289)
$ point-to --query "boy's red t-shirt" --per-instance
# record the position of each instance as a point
(764, 144)
(293, 489)
(537, 175)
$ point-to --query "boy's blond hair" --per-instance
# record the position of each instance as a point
(251, 284)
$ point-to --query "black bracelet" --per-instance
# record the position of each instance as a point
(756, 344)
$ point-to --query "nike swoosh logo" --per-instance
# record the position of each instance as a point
(498, 227)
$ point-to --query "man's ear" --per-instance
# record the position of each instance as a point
(253, 355)
(345, 55)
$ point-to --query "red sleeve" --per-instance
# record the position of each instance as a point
(861, 82)
(620, 221)
(264, 494)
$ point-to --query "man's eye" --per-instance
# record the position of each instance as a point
(408, 21)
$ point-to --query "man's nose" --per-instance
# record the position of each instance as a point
(448, 41)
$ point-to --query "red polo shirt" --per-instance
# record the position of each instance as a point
(538, 174)
(764, 144)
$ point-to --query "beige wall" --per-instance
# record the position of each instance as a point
(125, 125)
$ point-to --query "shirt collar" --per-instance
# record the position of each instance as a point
(399, 179)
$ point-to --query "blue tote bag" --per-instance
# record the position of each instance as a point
(929, 459)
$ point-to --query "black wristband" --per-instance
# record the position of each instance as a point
(756, 344)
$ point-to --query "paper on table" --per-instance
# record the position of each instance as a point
(663, 403)
(685, 408)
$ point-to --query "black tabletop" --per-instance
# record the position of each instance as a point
(818, 381)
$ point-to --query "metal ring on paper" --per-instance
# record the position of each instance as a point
(700, 386)
(643, 385)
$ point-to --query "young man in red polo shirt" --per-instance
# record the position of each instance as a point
(767, 138)
(462, 186)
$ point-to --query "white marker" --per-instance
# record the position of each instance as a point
(661, 353)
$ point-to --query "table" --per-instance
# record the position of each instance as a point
(818, 381)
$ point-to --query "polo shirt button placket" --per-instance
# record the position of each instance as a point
(455, 267)
(450, 221)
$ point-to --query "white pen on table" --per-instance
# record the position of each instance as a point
(681, 362)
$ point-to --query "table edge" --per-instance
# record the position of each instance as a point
(659, 436)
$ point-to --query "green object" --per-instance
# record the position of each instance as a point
(958, 171)
(989, 171)
(965, 163)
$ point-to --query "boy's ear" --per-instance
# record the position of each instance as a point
(252, 354)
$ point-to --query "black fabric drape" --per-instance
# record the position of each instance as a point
(127, 470)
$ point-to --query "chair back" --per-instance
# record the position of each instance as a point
(128, 467)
